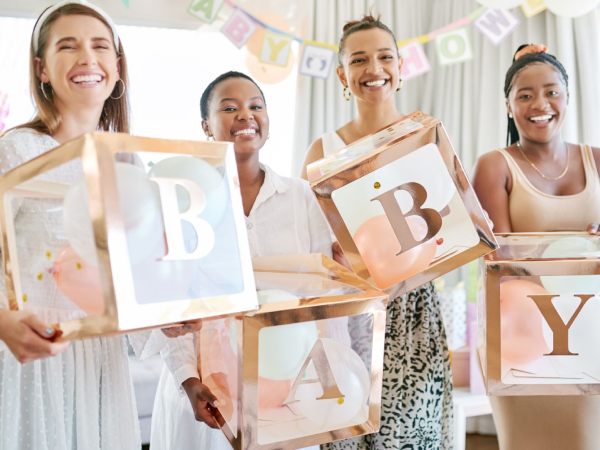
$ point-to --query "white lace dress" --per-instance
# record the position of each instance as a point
(83, 398)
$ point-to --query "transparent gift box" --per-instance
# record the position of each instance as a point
(306, 368)
(401, 205)
(538, 308)
(137, 232)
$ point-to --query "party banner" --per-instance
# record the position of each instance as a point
(205, 10)
(415, 62)
(453, 46)
(317, 61)
(239, 28)
(275, 49)
(4, 109)
(533, 7)
(496, 24)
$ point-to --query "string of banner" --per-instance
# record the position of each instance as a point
(271, 59)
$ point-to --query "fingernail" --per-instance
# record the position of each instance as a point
(49, 330)
(216, 403)
(189, 327)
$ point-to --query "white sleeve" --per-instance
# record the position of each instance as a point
(179, 355)
(320, 233)
(147, 343)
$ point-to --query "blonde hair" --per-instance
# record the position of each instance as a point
(115, 113)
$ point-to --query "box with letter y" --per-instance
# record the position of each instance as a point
(126, 233)
(306, 368)
(538, 308)
(401, 205)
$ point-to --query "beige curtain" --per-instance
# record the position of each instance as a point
(467, 97)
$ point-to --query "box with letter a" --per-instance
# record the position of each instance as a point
(401, 205)
(306, 368)
(538, 307)
(135, 232)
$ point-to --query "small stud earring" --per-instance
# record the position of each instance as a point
(510, 116)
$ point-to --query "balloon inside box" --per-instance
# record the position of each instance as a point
(136, 232)
(400, 204)
(538, 309)
(305, 369)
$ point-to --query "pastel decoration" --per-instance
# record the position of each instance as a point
(379, 248)
(282, 349)
(533, 7)
(276, 49)
(571, 8)
(522, 338)
(255, 43)
(140, 212)
(222, 378)
(500, 4)
(79, 281)
(353, 381)
(496, 24)
(453, 46)
(205, 10)
(414, 60)
(572, 247)
(584, 333)
(316, 61)
(212, 183)
(239, 28)
(158, 281)
(269, 73)
(4, 109)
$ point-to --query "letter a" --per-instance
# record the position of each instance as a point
(205, 6)
(324, 375)
(398, 219)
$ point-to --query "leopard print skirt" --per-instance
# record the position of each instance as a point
(417, 381)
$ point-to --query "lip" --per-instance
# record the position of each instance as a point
(246, 137)
(87, 73)
(542, 123)
(364, 83)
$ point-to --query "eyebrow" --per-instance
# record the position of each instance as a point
(235, 99)
(531, 89)
(380, 50)
(71, 39)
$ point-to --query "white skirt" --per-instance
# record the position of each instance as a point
(80, 399)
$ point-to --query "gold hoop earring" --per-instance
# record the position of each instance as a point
(43, 91)
(399, 85)
(346, 91)
(122, 93)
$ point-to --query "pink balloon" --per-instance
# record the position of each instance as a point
(378, 246)
(79, 281)
(522, 338)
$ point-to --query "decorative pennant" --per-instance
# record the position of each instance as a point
(4, 109)
(205, 10)
(275, 49)
(453, 46)
(239, 28)
(533, 7)
(496, 24)
(316, 61)
(415, 61)
(126, 3)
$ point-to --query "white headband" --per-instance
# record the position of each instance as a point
(46, 14)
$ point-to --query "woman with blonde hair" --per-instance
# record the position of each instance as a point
(60, 396)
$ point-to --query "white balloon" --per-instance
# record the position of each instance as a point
(352, 378)
(501, 4)
(571, 8)
(572, 247)
(140, 211)
(584, 334)
(282, 349)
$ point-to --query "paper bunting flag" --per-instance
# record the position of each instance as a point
(4, 109)
(453, 46)
(496, 24)
(532, 7)
(205, 10)
(415, 62)
(275, 49)
(126, 3)
(239, 28)
(316, 61)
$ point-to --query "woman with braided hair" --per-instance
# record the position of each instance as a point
(540, 183)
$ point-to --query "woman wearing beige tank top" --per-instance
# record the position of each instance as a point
(541, 183)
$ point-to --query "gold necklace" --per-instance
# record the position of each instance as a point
(538, 170)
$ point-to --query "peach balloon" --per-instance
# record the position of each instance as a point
(378, 246)
(255, 43)
(79, 281)
(522, 337)
(269, 73)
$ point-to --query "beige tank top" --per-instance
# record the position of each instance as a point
(532, 210)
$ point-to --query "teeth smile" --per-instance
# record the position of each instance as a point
(376, 83)
(245, 132)
(540, 118)
(87, 79)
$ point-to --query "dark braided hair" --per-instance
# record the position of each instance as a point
(368, 22)
(207, 94)
(512, 134)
